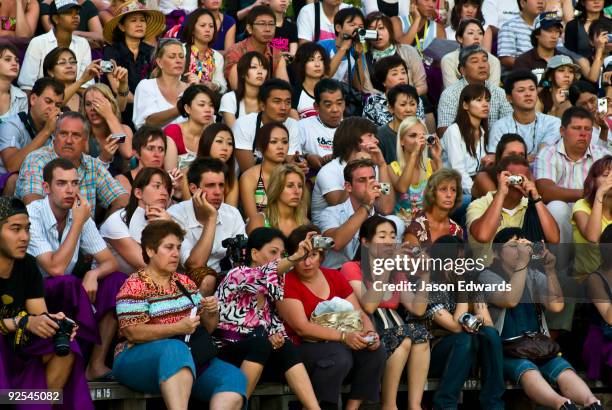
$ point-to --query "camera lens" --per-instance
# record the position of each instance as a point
(61, 339)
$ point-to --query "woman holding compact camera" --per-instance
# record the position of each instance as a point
(409, 174)
(288, 201)
(330, 353)
(517, 309)
(464, 331)
(560, 74)
(250, 330)
(166, 326)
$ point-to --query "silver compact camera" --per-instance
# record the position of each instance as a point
(365, 34)
(322, 242)
(107, 66)
(537, 251)
(369, 339)
(515, 180)
(470, 321)
(385, 188)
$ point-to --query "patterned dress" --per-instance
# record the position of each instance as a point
(419, 227)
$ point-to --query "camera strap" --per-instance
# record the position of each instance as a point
(28, 124)
(317, 21)
(184, 291)
(257, 127)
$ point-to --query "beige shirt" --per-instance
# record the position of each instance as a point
(450, 68)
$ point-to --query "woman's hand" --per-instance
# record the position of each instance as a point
(487, 161)
(187, 325)
(277, 340)
(107, 151)
(120, 74)
(93, 70)
(375, 153)
(375, 343)
(210, 305)
(103, 107)
(177, 178)
(191, 78)
(154, 213)
(436, 148)
(467, 329)
(355, 341)
(601, 41)
(414, 12)
(304, 248)
(559, 96)
(603, 189)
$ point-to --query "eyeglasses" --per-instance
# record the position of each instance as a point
(264, 24)
(66, 62)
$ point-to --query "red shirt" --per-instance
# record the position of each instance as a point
(295, 289)
(174, 132)
(352, 271)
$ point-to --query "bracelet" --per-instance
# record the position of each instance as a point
(368, 208)
(123, 93)
(343, 337)
(3, 328)
(523, 268)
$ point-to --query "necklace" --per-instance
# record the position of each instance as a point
(533, 132)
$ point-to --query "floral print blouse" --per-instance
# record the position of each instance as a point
(419, 227)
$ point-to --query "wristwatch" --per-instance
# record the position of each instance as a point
(535, 201)
(123, 93)
(367, 207)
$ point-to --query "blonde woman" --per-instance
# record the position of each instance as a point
(107, 134)
(155, 99)
(409, 174)
(288, 201)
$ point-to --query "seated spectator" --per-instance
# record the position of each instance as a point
(560, 168)
(260, 25)
(206, 218)
(514, 36)
(470, 32)
(576, 31)
(151, 359)
(61, 64)
(226, 25)
(388, 72)
(275, 102)
(317, 132)
(107, 134)
(14, 100)
(402, 102)
(19, 19)
(385, 46)
(155, 99)
(547, 29)
(90, 25)
(96, 183)
(458, 346)
(66, 21)
(590, 217)
(474, 68)
(149, 145)
(288, 199)
(464, 143)
(204, 64)
(390, 8)
(23, 304)
(420, 28)
(126, 32)
(341, 222)
(409, 174)
(583, 94)
(560, 74)
(307, 20)
(197, 104)
(601, 47)
(122, 231)
(596, 349)
(520, 310)
(496, 13)
(537, 129)
(256, 288)
(218, 142)
(354, 139)
(343, 51)
(469, 10)
(485, 180)
(342, 350)
(506, 207)
(406, 343)
(28, 131)
(61, 228)
(273, 141)
(253, 69)
(285, 34)
(310, 65)
(441, 197)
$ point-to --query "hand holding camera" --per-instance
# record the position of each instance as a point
(470, 323)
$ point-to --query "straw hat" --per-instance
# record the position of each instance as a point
(156, 21)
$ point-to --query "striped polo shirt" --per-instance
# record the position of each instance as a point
(514, 38)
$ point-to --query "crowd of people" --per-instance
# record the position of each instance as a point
(194, 195)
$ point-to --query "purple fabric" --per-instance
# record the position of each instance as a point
(175, 18)
(106, 298)
(596, 352)
(27, 371)
(434, 83)
(4, 179)
(66, 294)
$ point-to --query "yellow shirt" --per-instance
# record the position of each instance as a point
(508, 219)
(587, 258)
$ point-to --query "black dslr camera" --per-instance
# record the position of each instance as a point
(235, 254)
(61, 339)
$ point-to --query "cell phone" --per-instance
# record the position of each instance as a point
(119, 137)
(192, 314)
(602, 105)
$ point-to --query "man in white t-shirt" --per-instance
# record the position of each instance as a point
(317, 132)
(275, 102)
(306, 20)
(206, 219)
(496, 13)
(355, 138)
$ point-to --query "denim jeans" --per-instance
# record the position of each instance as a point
(451, 361)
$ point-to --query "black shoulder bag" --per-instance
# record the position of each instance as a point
(317, 22)
(353, 98)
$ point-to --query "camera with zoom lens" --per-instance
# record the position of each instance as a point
(235, 254)
(322, 242)
(470, 321)
(61, 339)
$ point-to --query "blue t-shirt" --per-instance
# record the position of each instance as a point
(341, 72)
